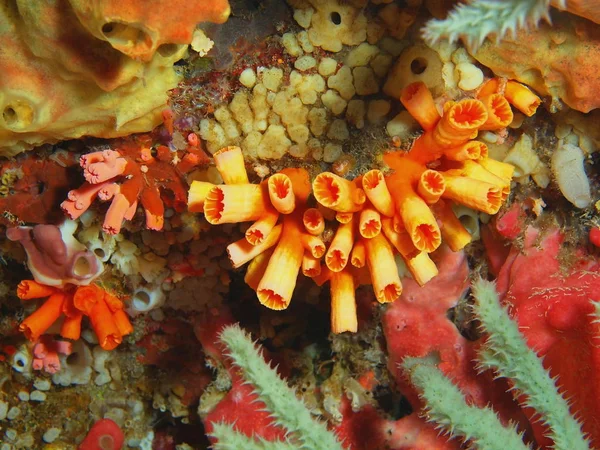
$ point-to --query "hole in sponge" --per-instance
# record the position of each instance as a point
(167, 50)
(418, 66)
(17, 115)
(336, 18)
(127, 38)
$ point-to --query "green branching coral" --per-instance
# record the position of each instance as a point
(475, 21)
(508, 355)
(286, 409)
(447, 407)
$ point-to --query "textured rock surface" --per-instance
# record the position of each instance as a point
(561, 61)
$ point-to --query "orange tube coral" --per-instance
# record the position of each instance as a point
(230, 164)
(419, 263)
(313, 244)
(499, 113)
(500, 169)
(358, 257)
(311, 266)
(235, 203)
(431, 186)
(383, 269)
(344, 217)
(281, 194)
(377, 192)
(369, 223)
(260, 229)
(337, 193)
(313, 220)
(343, 302)
(469, 150)
(522, 98)
(256, 268)
(71, 327)
(340, 247)
(86, 297)
(31, 289)
(277, 285)
(455, 235)
(37, 323)
(460, 123)
(491, 86)
(476, 170)
(197, 194)
(416, 216)
(109, 336)
(240, 252)
(473, 193)
(122, 322)
(417, 99)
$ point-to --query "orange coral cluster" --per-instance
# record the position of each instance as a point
(278, 243)
(134, 173)
(105, 312)
(407, 211)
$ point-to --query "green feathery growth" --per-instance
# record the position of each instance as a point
(287, 410)
(509, 356)
(476, 20)
(447, 407)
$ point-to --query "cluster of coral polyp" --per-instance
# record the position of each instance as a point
(408, 210)
(132, 174)
(104, 310)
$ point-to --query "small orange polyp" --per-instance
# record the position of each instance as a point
(230, 164)
(369, 223)
(417, 99)
(313, 221)
(281, 193)
(473, 193)
(109, 336)
(522, 98)
(358, 257)
(235, 203)
(337, 193)
(30, 289)
(344, 217)
(313, 244)
(472, 150)
(500, 114)
(241, 251)
(477, 170)
(343, 302)
(491, 86)
(500, 169)
(377, 192)
(197, 194)
(383, 269)
(339, 250)
(417, 219)
(256, 269)
(259, 230)
(460, 123)
(277, 285)
(37, 323)
(311, 266)
(454, 233)
(431, 186)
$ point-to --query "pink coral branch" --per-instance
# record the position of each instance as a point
(102, 166)
(116, 213)
(79, 200)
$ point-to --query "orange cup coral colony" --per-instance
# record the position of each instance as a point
(105, 312)
(407, 211)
